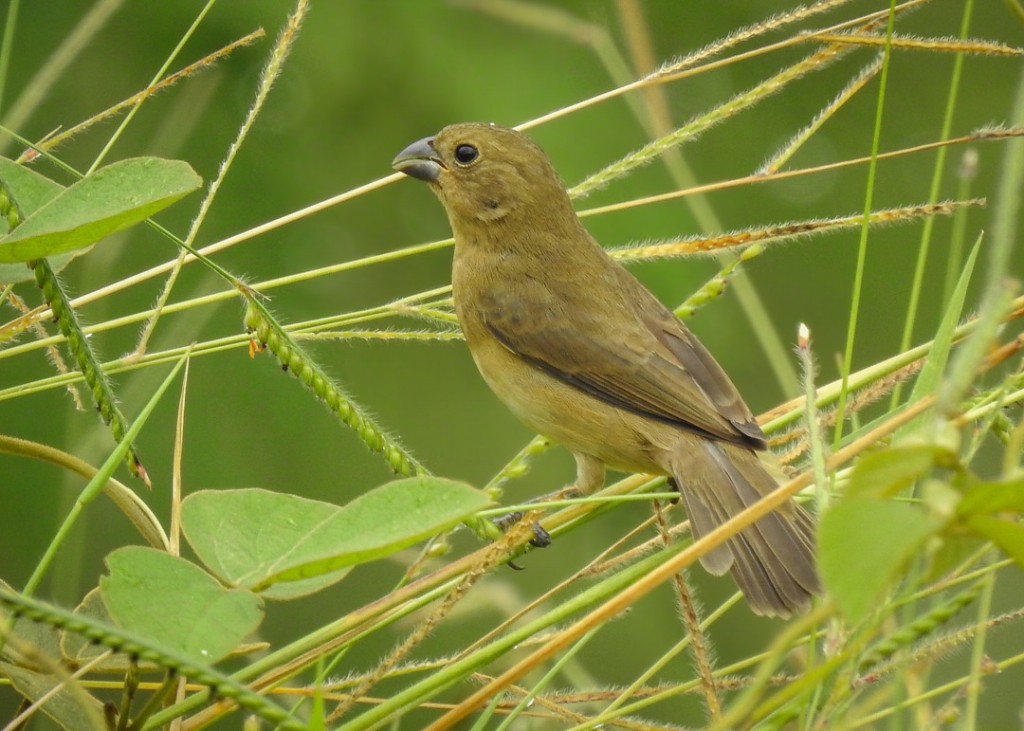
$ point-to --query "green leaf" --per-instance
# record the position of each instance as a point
(259, 539)
(176, 604)
(1008, 535)
(68, 704)
(992, 497)
(891, 470)
(110, 199)
(80, 650)
(29, 191)
(383, 521)
(957, 546)
(242, 536)
(71, 707)
(863, 545)
(40, 637)
(938, 355)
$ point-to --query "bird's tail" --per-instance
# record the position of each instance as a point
(772, 561)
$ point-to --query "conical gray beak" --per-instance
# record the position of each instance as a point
(419, 160)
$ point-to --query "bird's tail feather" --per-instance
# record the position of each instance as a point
(772, 561)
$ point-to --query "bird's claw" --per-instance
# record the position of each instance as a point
(506, 521)
(541, 538)
(674, 486)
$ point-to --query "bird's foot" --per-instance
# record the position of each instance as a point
(541, 538)
(566, 493)
(674, 487)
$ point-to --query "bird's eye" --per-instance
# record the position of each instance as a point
(465, 154)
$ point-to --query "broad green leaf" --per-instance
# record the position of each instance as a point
(243, 535)
(863, 544)
(177, 604)
(891, 470)
(985, 498)
(77, 648)
(41, 637)
(383, 521)
(114, 197)
(258, 539)
(1008, 535)
(72, 707)
(30, 191)
(68, 704)
(80, 650)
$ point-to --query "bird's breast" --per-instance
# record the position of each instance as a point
(544, 403)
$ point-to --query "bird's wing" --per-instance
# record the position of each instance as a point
(639, 359)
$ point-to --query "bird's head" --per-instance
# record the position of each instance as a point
(486, 174)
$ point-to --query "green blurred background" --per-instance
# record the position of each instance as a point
(364, 80)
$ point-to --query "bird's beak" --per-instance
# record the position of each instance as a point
(419, 160)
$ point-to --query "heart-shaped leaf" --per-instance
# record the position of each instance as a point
(177, 604)
(863, 544)
(286, 546)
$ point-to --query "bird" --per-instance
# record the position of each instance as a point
(585, 355)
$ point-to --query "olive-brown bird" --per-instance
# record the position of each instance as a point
(582, 353)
